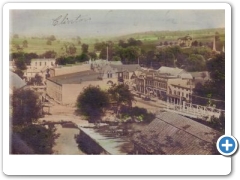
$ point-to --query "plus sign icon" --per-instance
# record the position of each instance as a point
(227, 145)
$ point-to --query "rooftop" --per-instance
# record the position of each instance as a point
(170, 133)
(76, 78)
(170, 70)
(15, 81)
(126, 67)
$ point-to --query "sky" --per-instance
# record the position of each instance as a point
(93, 23)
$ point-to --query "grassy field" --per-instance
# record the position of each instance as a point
(153, 38)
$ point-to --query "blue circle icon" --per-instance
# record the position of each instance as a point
(227, 145)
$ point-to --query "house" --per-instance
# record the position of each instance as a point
(40, 63)
(126, 72)
(161, 82)
(185, 41)
(179, 90)
(173, 134)
(39, 67)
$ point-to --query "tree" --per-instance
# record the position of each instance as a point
(20, 63)
(26, 107)
(216, 68)
(61, 61)
(195, 62)
(195, 43)
(38, 79)
(121, 95)
(84, 48)
(165, 43)
(217, 36)
(40, 139)
(92, 102)
(116, 58)
(72, 49)
(51, 38)
(49, 54)
(49, 42)
(25, 44)
(93, 55)
(83, 57)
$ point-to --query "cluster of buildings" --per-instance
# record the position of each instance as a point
(64, 83)
(66, 87)
(173, 85)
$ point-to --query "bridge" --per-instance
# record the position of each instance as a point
(194, 110)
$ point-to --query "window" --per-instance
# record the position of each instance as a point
(174, 92)
(186, 95)
(178, 93)
(35, 63)
(183, 94)
(45, 63)
(40, 63)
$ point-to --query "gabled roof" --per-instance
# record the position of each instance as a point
(186, 76)
(170, 70)
(76, 78)
(171, 133)
(200, 74)
(126, 67)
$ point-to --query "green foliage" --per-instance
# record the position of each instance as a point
(121, 94)
(137, 114)
(215, 88)
(93, 55)
(218, 123)
(26, 107)
(49, 42)
(26, 57)
(51, 38)
(91, 102)
(116, 58)
(48, 54)
(25, 44)
(85, 48)
(20, 63)
(195, 62)
(40, 139)
(82, 58)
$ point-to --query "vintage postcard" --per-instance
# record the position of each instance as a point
(116, 81)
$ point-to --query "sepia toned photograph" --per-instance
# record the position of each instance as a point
(116, 82)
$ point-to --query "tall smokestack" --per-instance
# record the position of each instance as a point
(107, 53)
